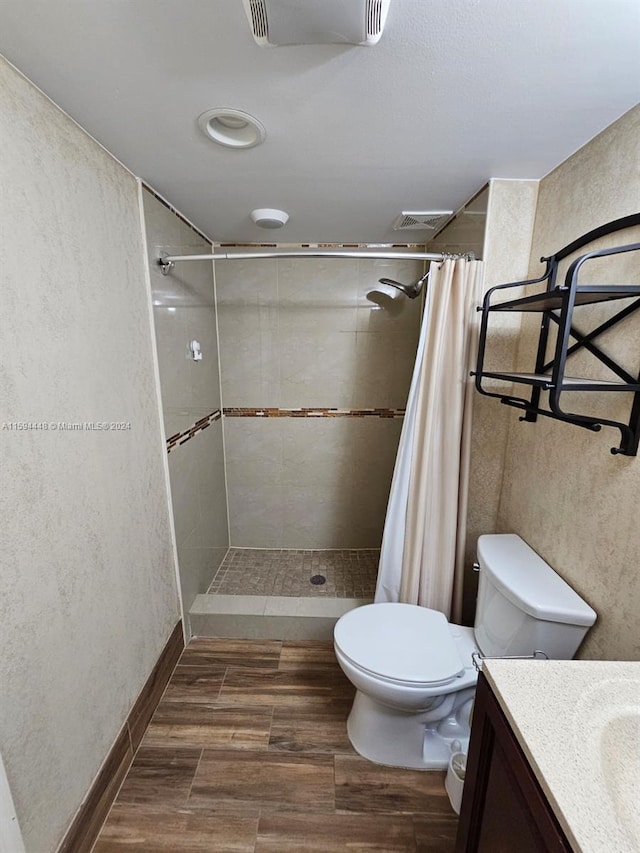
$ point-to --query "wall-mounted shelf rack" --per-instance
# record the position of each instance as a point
(556, 304)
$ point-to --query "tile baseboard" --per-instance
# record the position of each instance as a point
(86, 825)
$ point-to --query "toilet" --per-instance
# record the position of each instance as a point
(413, 670)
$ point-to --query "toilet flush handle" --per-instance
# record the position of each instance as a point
(478, 657)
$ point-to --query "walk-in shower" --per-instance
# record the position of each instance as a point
(313, 384)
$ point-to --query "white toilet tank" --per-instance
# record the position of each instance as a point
(523, 605)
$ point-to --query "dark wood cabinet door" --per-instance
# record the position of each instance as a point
(504, 810)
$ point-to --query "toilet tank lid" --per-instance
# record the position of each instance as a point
(530, 583)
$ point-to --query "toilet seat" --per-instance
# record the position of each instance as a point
(399, 643)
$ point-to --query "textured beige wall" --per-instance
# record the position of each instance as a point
(184, 310)
(511, 209)
(301, 333)
(88, 587)
(563, 492)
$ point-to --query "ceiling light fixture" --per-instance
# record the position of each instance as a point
(233, 128)
(269, 217)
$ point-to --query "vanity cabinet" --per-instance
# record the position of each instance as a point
(504, 809)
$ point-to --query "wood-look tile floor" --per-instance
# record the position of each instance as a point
(248, 753)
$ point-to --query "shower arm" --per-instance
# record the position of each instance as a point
(409, 290)
(166, 262)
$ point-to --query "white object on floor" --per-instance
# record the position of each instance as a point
(454, 780)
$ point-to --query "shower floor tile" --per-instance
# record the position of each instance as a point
(251, 571)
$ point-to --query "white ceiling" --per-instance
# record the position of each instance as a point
(456, 92)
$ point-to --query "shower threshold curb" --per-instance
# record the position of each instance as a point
(273, 617)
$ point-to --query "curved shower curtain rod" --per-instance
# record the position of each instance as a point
(167, 262)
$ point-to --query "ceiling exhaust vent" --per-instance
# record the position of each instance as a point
(374, 18)
(430, 220)
(257, 13)
(278, 22)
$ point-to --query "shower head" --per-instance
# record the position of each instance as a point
(384, 295)
(410, 290)
(388, 290)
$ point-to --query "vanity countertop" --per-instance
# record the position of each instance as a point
(578, 723)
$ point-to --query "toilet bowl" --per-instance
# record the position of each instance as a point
(413, 699)
(413, 670)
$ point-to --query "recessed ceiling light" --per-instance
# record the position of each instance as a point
(231, 121)
(233, 128)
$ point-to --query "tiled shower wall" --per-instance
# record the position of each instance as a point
(184, 310)
(300, 333)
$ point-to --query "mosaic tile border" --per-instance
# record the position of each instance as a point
(207, 239)
(214, 245)
(416, 246)
(177, 213)
(316, 412)
(266, 412)
(182, 437)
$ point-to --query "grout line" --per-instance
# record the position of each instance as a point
(273, 710)
(279, 332)
(226, 670)
(334, 782)
(157, 391)
(175, 211)
(255, 843)
(194, 776)
(222, 425)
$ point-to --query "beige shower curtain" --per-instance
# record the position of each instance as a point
(436, 503)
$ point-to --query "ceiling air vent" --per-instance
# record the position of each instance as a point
(257, 14)
(278, 22)
(431, 220)
(374, 18)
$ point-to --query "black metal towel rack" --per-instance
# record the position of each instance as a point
(556, 305)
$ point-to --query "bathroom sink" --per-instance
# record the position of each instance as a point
(578, 723)
(612, 740)
(620, 762)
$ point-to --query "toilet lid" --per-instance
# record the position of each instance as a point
(401, 642)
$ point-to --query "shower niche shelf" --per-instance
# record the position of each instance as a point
(557, 304)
